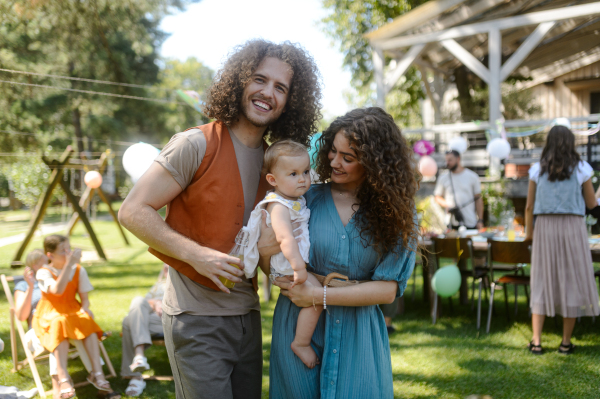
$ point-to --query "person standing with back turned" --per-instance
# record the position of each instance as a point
(210, 178)
(562, 274)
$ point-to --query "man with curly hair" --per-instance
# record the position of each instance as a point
(209, 178)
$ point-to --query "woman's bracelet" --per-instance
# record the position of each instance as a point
(324, 297)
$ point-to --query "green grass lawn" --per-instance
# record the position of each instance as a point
(446, 360)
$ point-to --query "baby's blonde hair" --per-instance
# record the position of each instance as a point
(34, 256)
(279, 149)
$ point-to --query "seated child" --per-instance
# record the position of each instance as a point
(60, 316)
(287, 168)
(27, 296)
(27, 293)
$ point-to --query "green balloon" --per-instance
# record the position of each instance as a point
(446, 281)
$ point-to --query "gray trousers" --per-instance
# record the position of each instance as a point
(216, 357)
(138, 326)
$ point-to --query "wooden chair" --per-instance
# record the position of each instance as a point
(16, 328)
(460, 249)
(418, 262)
(515, 253)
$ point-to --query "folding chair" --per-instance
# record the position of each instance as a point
(16, 327)
(515, 253)
(460, 249)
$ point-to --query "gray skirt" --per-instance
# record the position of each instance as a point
(562, 275)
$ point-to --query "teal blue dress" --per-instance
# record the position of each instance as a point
(351, 342)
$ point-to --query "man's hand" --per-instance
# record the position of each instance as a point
(480, 225)
(300, 277)
(214, 264)
(267, 243)
(156, 306)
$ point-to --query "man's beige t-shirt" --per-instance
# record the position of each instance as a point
(461, 192)
(182, 157)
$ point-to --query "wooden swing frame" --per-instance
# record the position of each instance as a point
(57, 166)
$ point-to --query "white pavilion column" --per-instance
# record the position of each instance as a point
(495, 94)
(378, 62)
(495, 66)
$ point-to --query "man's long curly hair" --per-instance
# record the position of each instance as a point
(302, 110)
(386, 198)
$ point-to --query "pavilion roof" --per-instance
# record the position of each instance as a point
(569, 45)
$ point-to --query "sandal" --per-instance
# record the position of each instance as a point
(535, 349)
(99, 381)
(68, 392)
(135, 387)
(139, 364)
(568, 348)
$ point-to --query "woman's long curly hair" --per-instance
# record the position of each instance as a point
(302, 110)
(386, 198)
(559, 156)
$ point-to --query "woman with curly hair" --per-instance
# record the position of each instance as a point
(362, 226)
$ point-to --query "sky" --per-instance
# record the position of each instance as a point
(209, 30)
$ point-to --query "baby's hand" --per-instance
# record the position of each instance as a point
(300, 277)
(29, 276)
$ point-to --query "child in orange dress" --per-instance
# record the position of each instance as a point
(60, 316)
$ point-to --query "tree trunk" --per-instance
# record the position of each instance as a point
(78, 133)
(461, 78)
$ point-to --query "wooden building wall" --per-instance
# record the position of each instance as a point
(569, 94)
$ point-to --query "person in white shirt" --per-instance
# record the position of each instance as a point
(459, 193)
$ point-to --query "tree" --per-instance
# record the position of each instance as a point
(190, 74)
(347, 22)
(108, 40)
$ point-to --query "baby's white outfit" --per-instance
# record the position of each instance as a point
(280, 266)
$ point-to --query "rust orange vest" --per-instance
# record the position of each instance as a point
(210, 211)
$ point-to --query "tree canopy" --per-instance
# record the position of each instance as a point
(101, 40)
(346, 23)
(57, 57)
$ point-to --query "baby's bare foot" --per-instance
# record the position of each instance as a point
(306, 354)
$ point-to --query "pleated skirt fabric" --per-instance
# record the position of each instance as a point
(562, 275)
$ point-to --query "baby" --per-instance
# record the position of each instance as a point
(287, 168)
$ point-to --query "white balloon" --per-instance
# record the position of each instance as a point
(138, 158)
(561, 122)
(458, 144)
(498, 148)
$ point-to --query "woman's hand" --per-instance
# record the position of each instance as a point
(301, 295)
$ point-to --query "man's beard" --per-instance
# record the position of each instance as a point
(254, 121)
(453, 168)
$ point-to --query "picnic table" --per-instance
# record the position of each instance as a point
(480, 250)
